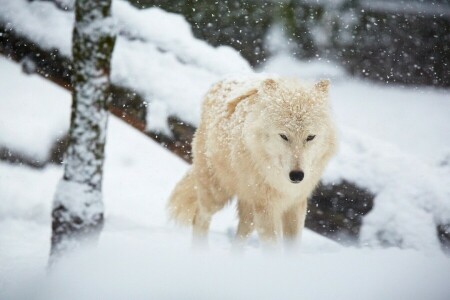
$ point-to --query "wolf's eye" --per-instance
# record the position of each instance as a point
(284, 137)
(310, 137)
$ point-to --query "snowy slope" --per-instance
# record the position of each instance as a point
(39, 126)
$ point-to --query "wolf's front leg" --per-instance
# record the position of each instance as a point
(268, 225)
(246, 223)
(293, 223)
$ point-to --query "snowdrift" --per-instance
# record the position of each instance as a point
(158, 57)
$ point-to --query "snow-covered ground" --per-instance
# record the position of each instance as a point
(393, 140)
(140, 255)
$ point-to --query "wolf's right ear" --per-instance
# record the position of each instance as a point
(231, 105)
(269, 85)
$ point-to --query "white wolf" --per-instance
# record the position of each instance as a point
(266, 141)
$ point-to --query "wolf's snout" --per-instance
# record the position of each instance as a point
(296, 176)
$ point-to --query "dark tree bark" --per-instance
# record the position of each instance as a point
(77, 216)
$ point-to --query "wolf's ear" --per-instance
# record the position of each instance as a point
(322, 86)
(231, 105)
(269, 85)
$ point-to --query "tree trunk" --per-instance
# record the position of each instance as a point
(77, 215)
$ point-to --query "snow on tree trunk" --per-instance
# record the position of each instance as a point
(77, 215)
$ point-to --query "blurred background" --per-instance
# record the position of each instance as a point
(400, 41)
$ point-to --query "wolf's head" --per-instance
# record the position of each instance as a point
(288, 131)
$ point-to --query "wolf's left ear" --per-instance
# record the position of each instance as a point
(322, 86)
(231, 104)
(269, 85)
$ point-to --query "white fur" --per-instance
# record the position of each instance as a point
(238, 150)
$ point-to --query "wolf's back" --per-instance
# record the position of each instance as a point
(183, 204)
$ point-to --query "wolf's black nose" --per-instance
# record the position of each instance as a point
(296, 176)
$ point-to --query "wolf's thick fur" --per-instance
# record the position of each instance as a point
(253, 136)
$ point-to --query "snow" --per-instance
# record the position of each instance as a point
(409, 203)
(156, 54)
(125, 266)
(33, 20)
(32, 202)
(393, 141)
(39, 127)
(79, 199)
(139, 175)
(140, 255)
(177, 38)
(405, 168)
(164, 63)
(413, 119)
